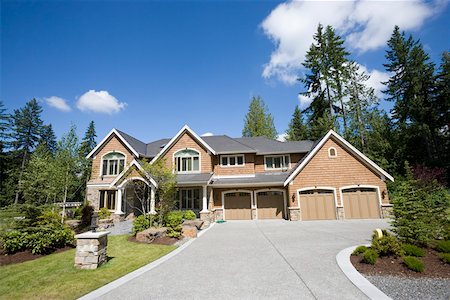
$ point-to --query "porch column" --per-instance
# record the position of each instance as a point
(119, 202)
(152, 201)
(204, 200)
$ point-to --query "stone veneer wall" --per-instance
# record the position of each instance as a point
(91, 250)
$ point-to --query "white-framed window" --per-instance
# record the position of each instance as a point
(107, 199)
(187, 161)
(332, 152)
(189, 198)
(277, 162)
(113, 163)
(232, 160)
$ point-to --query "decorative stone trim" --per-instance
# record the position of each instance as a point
(340, 213)
(294, 214)
(218, 214)
(91, 249)
(254, 214)
(386, 211)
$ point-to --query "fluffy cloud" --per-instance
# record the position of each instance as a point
(208, 134)
(100, 102)
(58, 103)
(375, 80)
(366, 25)
(282, 137)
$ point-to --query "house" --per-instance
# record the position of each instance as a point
(220, 177)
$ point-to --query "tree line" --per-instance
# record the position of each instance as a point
(415, 131)
(37, 168)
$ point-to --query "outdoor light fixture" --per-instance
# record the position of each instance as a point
(293, 197)
(94, 220)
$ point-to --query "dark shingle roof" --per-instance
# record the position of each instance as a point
(259, 178)
(137, 145)
(223, 144)
(199, 178)
(153, 148)
(264, 145)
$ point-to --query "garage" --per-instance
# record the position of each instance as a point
(361, 203)
(238, 206)
(270, 204)
(317, 204)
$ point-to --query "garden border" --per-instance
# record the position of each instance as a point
(370, 290)
(136, 273)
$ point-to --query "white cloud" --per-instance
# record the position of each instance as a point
(208, 134)
(282, 137)
(58, 103)
(304, 100)
(100, 102)
(376, 79)
(366, 25)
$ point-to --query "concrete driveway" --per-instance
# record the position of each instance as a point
(257, 260)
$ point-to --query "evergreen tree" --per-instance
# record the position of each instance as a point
(26, 132)
(297, 130)
(4, 124)
(88, 143)
(4, 129)
(48, 138)
(258, 121)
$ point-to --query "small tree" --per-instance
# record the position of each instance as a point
(258, 121)
(297, 129)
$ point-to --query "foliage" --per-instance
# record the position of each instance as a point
(412, 250)
(143, 222)
(173, 221)
(48, 138)
(445, 257)
(86, 215)
(88, 143)
(443, 246)
(359, 250)
(387, 245)
(297, 129)
(258, 120)
(189, 215)
(104, 213)
(369, 257)
(413, 263)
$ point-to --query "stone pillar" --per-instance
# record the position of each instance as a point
(386, 211)
(119, 203)
(152, 201)
(91, 249)
(294, 214)
(340, 213)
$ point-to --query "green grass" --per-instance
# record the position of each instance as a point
(54, 276)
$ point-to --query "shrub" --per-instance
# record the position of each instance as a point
(14, 241)
(411, 250)
(445, 257)
(359, 250)
(443, 246)
(189, 215)
(387, 245)
(174, 220)
(369, 257)
(49, 218)
(104, 213)
(413, 263)
(141, 223)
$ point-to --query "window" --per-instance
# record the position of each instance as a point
(108, 199)
(231, 160)
(187, 161)
(277, 162)
(113, 163)
(189, 199)
(332, 152)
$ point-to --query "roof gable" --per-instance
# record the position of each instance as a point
(105, 139)
(126, 171)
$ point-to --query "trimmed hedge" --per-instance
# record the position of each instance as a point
(413, 263)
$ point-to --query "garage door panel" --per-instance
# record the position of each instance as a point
(361, 203)
(270, 205)
(238, 206)
(317, 205)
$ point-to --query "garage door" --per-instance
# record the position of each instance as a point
(270, 205)
(317, 205)
(361, 203)
(238, 206)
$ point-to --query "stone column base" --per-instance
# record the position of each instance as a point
(254, 214)
(294, 214)
(91, 249)
(340, 213)
(206, 217)
(386, 211)
(218, 214)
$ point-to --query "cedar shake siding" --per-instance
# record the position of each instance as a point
(247, 168)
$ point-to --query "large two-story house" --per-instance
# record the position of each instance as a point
(220, 177)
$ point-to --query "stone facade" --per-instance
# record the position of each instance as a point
(340, 213)
(91, 250)
(386, 211)
(218, 214)
(294, 214)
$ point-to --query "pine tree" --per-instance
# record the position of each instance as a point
(4, 129)
(88, 143)
(258, 121)
(48, 138)
(26, 132)
(297, 130)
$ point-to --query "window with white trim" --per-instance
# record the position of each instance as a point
(189, 198)
(186, 161)
(277, 162)
(231, 160)
(113, 163)
(332, 152)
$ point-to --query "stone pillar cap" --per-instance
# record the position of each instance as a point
(92, 235)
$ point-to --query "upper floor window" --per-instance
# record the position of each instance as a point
(277, 162)
(187, 161)
(332, 152)
(231, 160)
(113, 163)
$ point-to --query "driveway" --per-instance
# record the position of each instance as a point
(257, 260)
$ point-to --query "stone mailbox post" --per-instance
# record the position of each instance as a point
(91, 249)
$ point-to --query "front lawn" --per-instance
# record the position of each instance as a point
(54, 276)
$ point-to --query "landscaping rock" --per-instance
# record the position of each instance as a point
(131, 217)
(73, 223)
(195, 223)
(148, 235)
(104, 224)
(189, 231)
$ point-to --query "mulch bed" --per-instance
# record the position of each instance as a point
(163, 240)
(434, 267)
(9, 259)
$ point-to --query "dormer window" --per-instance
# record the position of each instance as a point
(332, 152)
(113, 164)
(187, 161)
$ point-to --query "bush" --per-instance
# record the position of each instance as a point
(411, 250)
(189, 215)
(104, 213)
(369, 257)
(413, 263)
(387, 245)
(140, 223)
(443, 246)
(445, 257)
(174, 220)
(14, 241)
(359, 250)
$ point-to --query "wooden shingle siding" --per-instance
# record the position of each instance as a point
(260, 165)
(248, 168)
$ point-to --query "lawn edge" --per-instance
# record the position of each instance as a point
(364, 285)
(136, 273)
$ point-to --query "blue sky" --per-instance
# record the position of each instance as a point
(148, 68)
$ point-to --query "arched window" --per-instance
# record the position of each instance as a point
(332, 152)
(187, 161)
(113, 163)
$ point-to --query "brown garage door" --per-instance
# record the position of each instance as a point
(237, 206)
(270, 205)
(317, 205)
(361, 203)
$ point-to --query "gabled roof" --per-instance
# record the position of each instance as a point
(120, 137)
(305, 160)
(265, 179)
(136, 164)
(153, 148)
(223, 144)
(263, 145)
(137, 145)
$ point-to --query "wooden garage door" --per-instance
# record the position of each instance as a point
(317, 205)
(361, 203)
(238, 206)
(270, 205)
